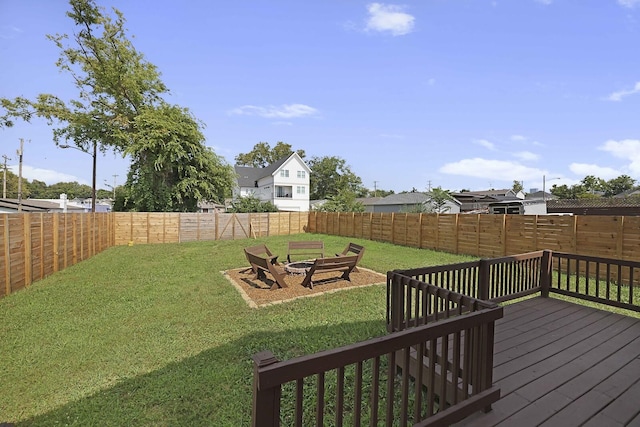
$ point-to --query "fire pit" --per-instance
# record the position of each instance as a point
(298, 267)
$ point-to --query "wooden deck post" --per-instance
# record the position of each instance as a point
(266, 403)
(484, 271)
(546, 266)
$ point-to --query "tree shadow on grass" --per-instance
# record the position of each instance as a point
(213, 388)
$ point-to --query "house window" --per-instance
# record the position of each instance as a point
(300, 189)
(283, 191)
(284, 173)
(302, 174)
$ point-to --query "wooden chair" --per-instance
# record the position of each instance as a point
(344, 264)
(353, 248)
(262, 251)
(261, 265)
(307, 248)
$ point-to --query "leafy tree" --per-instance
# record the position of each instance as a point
(417, 208)
(101, 193)
(517, 186)
(592, 184)
(439, 199)
(566, 192)
(120, 108)
(251, 203)
(12, 186)
(344, 201)
(172, 169)
(330, 175)
(619, 185)
(263, 155)
(38, 189)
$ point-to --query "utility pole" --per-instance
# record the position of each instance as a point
(114, 186)
(4, 177)
(375, 188)
(20, 175)
(429, 186)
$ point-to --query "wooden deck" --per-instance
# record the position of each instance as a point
(562, 364)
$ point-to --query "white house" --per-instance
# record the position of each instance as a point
(285, 183)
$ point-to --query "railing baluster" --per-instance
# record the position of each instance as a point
(391, 370)
(619, 282)
(404, 391)
(357, 399)
(444, 358)
(375, 391)
(417, 407)
(340, 396)
(456, 366)
(320, 400)
(631, 285)
(299, 400)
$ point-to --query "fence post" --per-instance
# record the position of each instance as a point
(484, 270)
(546, 266)
(266, 403)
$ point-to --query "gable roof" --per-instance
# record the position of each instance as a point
(247, 175)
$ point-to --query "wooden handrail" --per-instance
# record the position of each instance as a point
(270, 375)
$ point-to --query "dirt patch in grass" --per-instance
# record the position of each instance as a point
(258, 293)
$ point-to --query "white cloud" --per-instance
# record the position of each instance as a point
(584, 169)
(518, 138)
(627, 149)
(485, 143)
(546, 2)
(628, 3)
(287, 111)
(8, 32)
(491, 170)
(527, 156)
(48, 176)
(389, 18)
(617, 96)
(431, 81)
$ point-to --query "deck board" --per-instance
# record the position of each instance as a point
(563, 364)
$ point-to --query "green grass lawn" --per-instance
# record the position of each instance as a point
(155, 335)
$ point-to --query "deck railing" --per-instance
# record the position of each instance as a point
(431, 312)
(496, 279)
(359, 384)
(607, 281)
(602, 280)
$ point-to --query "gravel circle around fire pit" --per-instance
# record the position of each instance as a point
(257, 293)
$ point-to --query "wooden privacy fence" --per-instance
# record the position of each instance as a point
(38, 244)
(490, 235)
(160, 227)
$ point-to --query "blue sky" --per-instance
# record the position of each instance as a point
(461, 94)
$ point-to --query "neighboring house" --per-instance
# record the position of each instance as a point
(210, 207)
(478, 201)
(40, 205)
(519, 207)
(634, 192)
(407, 202)
(285, 183)
(629, 206)
(540, 195)
(368, 202)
